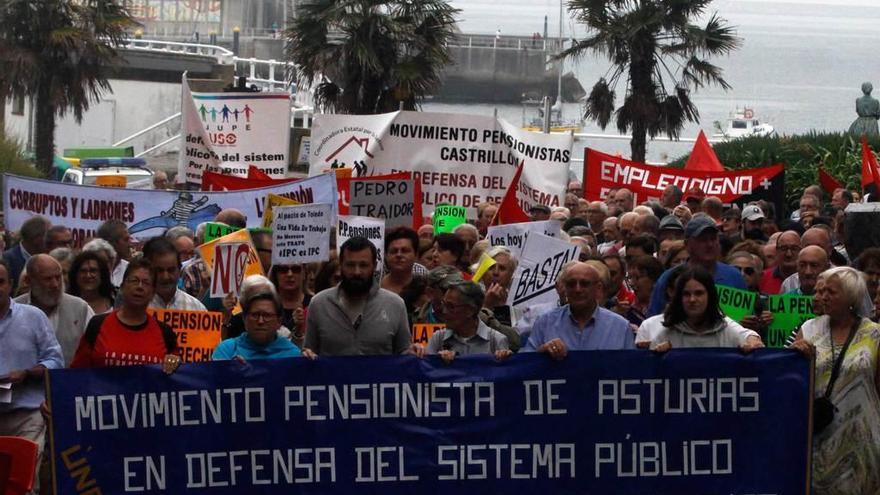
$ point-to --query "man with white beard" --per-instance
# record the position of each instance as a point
(68, 314)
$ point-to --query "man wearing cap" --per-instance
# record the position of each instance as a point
(753, 223)
(670, 228)
(439, 280)
(704, 248)
(539, 212)
(694, 199)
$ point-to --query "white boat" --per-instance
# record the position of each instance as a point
(743, 123)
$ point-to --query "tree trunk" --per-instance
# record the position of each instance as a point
(44, 135)
(643, 92)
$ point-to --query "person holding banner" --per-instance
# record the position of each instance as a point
(582, 324)
(694, 318)
(262, 312)
(465, 334)
(846, 450)
(129, 335)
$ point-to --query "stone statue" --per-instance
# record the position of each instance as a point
(868, 109)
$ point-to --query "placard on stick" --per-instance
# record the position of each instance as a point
(230, 260)
(301, 234)
(448, 217)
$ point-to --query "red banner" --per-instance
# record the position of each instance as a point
(603, 172)
(217, 182)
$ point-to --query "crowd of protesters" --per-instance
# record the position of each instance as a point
(646, 279)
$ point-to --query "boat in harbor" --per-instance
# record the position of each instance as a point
(557, 123)
(743, 123)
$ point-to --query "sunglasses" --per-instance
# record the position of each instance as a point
(747, 270)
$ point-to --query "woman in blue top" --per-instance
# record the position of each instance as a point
(262, 319)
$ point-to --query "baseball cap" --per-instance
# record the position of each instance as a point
(442, 276)
(695, 193)
(752, 213)
(671, 222)
(698, 225)
(540, 207)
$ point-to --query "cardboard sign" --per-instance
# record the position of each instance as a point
(534, 281)
(214, 230)
(448, 217)
(513, 236)
(736, 303)
(111, 181)
(227, 272)
(789, 313)
(273, 201)
(301, 234)
(228, 133)
(348, 226)
(391, 200)
(253, 266)
(422, 332)
(198, 332)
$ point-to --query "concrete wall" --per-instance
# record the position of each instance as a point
(132, 106)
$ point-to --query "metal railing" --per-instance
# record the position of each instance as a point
(504, 42)
(218, 53)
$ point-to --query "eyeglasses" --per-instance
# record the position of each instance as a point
(257, 316)
(746, 269)
(571, 284)
(279, 269)
(139, 281)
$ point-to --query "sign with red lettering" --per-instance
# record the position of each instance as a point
(603, 172)
(230, 260)
(457, 159)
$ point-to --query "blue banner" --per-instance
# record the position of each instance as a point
(706, 422)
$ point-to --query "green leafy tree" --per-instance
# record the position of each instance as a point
(58, 52)
(368, 56)
(660, 56)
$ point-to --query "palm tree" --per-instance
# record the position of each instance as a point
(661, 55)
(58, 53)
(368, 56)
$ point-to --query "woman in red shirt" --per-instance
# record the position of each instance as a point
(128, 335)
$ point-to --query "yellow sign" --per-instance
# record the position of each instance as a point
(111, 181)
(198, 332)
(422, 332)
(273, 200)
(253, 266)
(485, 263)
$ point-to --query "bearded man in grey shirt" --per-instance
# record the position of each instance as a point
(357, 317)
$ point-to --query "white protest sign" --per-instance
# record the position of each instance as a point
(513, 236)
(457, 159)
(228, 132)
(534, 281)
(147, 213)
(390, 199)
(230, 260)
(301, 234)
(373, 229)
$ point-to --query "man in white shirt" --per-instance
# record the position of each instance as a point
(116, 233)
(163, 257)
(67, 314)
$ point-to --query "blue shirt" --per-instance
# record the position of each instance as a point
(246, 348)
(724, 275)
(606, 330)
(27, 340)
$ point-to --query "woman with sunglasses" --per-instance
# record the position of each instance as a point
(694, 319)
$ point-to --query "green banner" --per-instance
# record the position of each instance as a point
(448, 217)
(213, 230)
(789, 312)
(736, 303)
